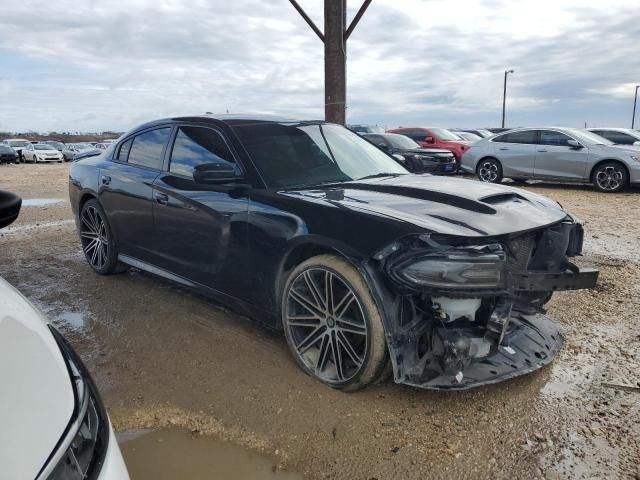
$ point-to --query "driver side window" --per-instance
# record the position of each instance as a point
(196, 146)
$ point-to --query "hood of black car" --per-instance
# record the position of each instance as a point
(449, 206)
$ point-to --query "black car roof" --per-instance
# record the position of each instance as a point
(229, 119)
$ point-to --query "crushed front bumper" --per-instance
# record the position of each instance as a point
(530, 343)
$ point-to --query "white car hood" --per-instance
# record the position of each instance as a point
(37, 400)
(53, 150)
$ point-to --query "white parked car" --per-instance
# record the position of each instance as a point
(41, 152)
(53, 423)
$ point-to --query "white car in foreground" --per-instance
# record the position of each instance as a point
(41, 152)
(53, 425)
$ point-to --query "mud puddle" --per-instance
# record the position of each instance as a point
(41, 202)
(172, 454)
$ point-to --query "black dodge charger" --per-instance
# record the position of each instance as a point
(311, 229)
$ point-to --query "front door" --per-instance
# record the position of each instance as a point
(556, 159)
(200, 231)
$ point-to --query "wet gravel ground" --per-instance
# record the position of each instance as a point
(165, 358)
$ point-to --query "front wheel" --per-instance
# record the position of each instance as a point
(97, 241)
(489, 170)
(610, 177)
(332, 324)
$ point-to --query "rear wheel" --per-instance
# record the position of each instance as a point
(97, 241)
(489, 170)
(610, 177)
(332, 325)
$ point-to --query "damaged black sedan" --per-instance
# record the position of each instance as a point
(314, 231)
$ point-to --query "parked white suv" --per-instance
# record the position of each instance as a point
(53, 425)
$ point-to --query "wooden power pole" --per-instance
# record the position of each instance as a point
(334, 38)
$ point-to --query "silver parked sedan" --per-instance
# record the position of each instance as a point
(557, 154)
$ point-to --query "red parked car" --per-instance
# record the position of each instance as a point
(433, 137)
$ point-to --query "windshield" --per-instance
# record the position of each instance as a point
(56, 144)
(18, 143)
(590, 137)
(400, 141)
(443, 134)
(43, 146)
(295, 155)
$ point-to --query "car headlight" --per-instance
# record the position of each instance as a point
(455, 270)
(80, 453)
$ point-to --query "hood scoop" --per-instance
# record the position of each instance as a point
(424, 194)
(503, 198)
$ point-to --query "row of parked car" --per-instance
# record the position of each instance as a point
(609, 158)
(16, 150)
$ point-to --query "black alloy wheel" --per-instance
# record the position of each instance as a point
(332, 325)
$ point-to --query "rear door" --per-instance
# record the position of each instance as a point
(126, 190)
(556, 159)
(516, 152)
(200, 231)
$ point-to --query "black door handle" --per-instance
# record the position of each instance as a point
(162, 198)
(105, 179)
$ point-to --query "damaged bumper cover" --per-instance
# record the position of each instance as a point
(466, 314)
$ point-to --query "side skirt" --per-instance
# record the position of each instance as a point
(264, 317)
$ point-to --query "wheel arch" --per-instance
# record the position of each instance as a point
(307, 247)
(608, 160)
(486, 157)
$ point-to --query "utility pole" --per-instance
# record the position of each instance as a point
(504, 94)
(334, 38)
(635, 100)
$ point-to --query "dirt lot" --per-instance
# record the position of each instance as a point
(165, 358)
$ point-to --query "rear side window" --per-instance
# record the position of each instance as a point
(195, 146)
(526, 137)
(549, 137)
(123, 152)
(147, 148)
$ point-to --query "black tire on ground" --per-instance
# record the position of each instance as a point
(346, 321)
(610, 177)
(489, 170)
(97, 240)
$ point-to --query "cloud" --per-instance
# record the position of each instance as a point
(87, 65)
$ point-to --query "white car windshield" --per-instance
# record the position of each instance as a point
(590, 137)
(42, 146)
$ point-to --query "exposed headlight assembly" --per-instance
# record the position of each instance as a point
(80, 452)
(454, 270)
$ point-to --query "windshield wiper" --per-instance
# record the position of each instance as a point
(379, 175)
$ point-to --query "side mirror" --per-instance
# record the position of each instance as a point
(429, 139)
(215, 173)
(574, 143)
(636, 144)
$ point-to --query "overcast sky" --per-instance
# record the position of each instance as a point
(76, 65)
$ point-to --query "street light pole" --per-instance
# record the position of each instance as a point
(635, 99)
(504, 94)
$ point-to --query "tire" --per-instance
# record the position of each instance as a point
(610, 177)
(489, 170)
(315, 332)
(97, 241)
